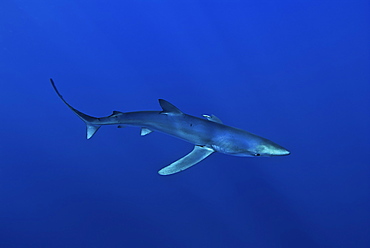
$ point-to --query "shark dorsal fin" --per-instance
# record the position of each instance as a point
(212, 118)
(169, 108)
(115, 113)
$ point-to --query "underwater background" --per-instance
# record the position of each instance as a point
(295, 72)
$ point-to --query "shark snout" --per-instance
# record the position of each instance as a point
(284, 152)
(280, 151)
(273, 149)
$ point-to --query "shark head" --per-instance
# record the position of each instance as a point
(257, 146)
(249, 145)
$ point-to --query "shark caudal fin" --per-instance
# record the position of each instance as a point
(92, 125)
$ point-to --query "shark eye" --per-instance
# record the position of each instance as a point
(257, 154)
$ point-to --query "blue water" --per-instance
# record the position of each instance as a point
(295, 72)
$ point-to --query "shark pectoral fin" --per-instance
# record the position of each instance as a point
(195, 156)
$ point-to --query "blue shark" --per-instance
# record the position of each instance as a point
(208, 134)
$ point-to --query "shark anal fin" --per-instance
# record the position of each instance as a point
(145, 131)
(212, 118)
(195, 156)
(169, 108)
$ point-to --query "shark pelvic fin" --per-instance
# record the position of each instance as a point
(195, 156)
(169, 108)
(212, 118)
(145, 131)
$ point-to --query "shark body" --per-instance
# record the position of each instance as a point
(208, 134)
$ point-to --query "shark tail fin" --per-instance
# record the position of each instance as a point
(92, 125)
(91, 130)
